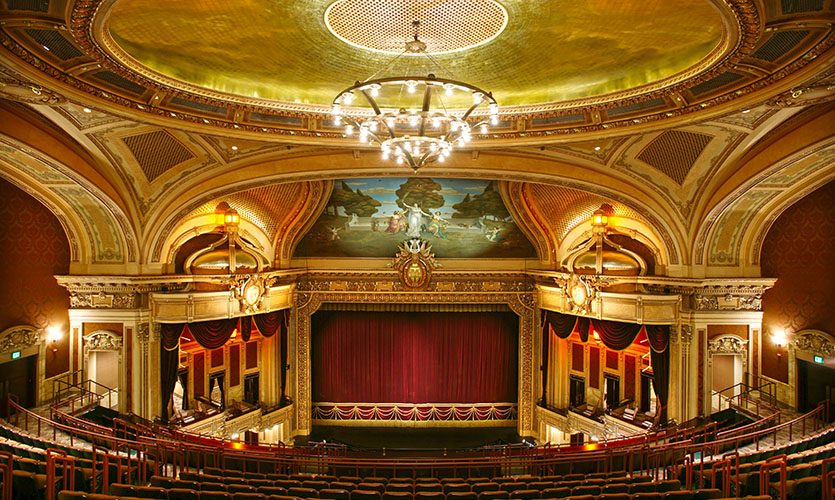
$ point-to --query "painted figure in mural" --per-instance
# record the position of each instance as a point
(437, 225)
(373, 224)
(334, 233)
(493, 235)
(394, 222)
(416, 214)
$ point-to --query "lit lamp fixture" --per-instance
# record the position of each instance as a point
(599, 219)
(780, 338)
(412, 122)
(54, 334)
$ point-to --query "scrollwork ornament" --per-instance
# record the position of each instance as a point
(103, 341)
(19, 337)
(815, 343)
(728, 344)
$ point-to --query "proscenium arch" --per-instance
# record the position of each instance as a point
(493, 165)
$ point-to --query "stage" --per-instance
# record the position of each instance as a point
(409, 438)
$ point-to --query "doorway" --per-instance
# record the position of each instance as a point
(816, 383)
(18, 377)
(577, 391)
(726, 374)
(612, 391)
(251, 389)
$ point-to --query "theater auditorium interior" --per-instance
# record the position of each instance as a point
(417, 249)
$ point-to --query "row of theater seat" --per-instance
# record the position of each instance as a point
(182, 494)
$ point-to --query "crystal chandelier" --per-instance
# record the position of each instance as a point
(416, 120)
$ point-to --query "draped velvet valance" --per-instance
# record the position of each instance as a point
(614, 334)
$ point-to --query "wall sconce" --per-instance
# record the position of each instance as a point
(54, 334)
(780, 339)
(599, 219)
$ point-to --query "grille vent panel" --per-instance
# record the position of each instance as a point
(674, 153)
(714, 83)
(156, 152)
(795, 6)
(30, 5)
(576, 117)
(119, 82)
(286, 120)
(779, 44)
(206, 108)
(637, 106)
(55, 42)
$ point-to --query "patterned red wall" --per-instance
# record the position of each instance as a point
(33, 248)
(800, 253)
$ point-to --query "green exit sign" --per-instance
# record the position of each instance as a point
(819, 360)
(15, 354)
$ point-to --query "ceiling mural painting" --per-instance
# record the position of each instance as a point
(371, 217)
(285, 50)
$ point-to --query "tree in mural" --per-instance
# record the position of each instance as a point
(421, 191)
(353, 202)
(487, 204)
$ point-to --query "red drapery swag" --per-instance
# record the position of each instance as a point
(382, 357)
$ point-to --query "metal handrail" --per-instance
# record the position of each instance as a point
(223, 452)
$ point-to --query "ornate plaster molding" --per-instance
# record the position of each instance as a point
(102, 340)
(19, 337)
(727, 344)
(815, 342)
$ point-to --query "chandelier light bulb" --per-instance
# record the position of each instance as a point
(441, 158)
(349, 130)
(483, 129)
(337, 120)
(399, 160)
(385, 155)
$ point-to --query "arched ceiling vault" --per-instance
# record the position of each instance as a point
(687, 157)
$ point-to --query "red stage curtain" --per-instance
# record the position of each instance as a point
(563, 325)
(659, 339)
(285, 328)
(369, 357)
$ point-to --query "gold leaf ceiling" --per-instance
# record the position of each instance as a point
(549, 51)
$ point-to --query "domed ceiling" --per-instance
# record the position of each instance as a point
(307, 51)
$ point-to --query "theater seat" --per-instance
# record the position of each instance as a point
(183, 494)
(397, 495)
(212, 487)
(364, 495)
(678, 495)
(613, 496)
(654, 495)
(480, 487)
(493, 495)
(642, 488)
(375, 486)
(462, 495)
(342, 485)
(615, 488)
(122, 490)
(705, 494)
(71, 495)
(585, 490)
(316, 485)
(214, 495)
(334, 494)
(248, 496)
(161, 482)
(514, 486)
(272, 490)
(456, 487)
(240, 488)
(429, 495)
(302, 492)
(555, 493)
(150, 492)
(668, 485)
(525, 494)
(541, 485)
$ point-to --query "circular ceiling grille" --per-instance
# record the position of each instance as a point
(386, 25)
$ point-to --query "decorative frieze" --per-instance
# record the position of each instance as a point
(19, 337)
(815, 343)
(728, 302)
(102, 340)
(91, 300)
(728, 344)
